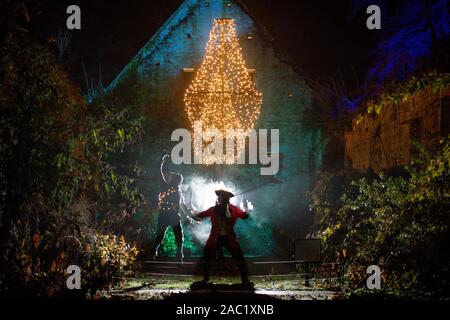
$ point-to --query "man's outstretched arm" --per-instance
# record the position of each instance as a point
(204, 214)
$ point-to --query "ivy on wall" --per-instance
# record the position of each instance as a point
(402, 92)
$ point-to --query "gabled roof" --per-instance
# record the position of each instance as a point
(166, 29)
(179, 16)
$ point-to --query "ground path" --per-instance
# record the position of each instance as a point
(154, 287)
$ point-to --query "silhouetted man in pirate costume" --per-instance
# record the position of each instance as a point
(170, 205)
(223, 218)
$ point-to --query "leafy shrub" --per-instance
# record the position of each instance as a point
(42, 243)
(60, 177)
(400, 223)
(106, 256)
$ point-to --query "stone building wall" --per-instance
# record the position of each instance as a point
(155, 82)
(386, 140)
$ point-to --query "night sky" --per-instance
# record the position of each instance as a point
(323, 38)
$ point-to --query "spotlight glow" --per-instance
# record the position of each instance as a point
(203, 197)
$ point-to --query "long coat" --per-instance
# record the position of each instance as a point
(213, 214)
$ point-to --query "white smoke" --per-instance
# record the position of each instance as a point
(201, 231)
(202, 192)
(202, 197)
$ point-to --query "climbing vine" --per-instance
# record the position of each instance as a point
(402, 92)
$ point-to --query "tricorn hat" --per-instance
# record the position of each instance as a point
(224, 193)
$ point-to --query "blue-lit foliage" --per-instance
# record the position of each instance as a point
(347, 104)
(412, 39)
(412, 32)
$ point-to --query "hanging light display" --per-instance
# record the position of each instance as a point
(222, 95)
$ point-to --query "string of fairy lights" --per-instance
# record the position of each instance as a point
(222, 95)
(164, 200)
